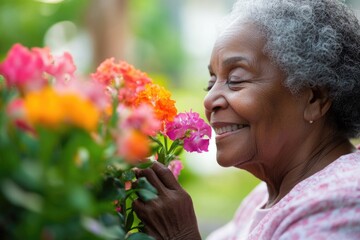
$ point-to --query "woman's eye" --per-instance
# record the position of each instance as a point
(234, 82)
(209, 86)
(211, 82)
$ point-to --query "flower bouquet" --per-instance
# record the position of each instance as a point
(69, 145)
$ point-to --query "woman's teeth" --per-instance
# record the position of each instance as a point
(229, 128)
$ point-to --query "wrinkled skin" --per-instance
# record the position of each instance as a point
(171, 215)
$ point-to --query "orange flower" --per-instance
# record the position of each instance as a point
(52, 109)
(160, 99)
(134, 146)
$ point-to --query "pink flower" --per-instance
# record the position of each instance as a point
(175, 167)
(62, 68)
(141, 118)
(190, 128)
(128, 185)
(23, 68)
(107, 72)
(26, 69)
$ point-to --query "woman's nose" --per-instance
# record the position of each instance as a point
(215, 99)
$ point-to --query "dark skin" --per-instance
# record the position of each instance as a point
(171, 215)
(262, 127)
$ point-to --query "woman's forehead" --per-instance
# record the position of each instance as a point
(244, 39)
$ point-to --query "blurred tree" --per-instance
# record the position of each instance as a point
(107, 23)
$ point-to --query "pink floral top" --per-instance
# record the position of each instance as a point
(323, 206)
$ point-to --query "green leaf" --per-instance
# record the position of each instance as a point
(178, 150)
(111, 189)
(174, 145)
(146, 195)
(128, 175)
(121, 219)
(145, 165)
(18, 196)
(98, 229)
(129, 220)
(29, 174)
(109, 219)
(161, 156)
(48, 140)
(143, 183)
(139, 236)
(122, 193)
(80, 199)
(118, 183)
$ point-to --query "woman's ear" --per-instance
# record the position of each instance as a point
(318, 104)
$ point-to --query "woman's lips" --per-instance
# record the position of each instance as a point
(228, 128)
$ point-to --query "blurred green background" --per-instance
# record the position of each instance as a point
(170, 40)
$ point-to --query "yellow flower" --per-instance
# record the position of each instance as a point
(43, 107)
(80, 112)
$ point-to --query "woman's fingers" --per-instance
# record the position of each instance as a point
(151, 176)
(171, 215)
(160, 177)
(146, 211)
(165, 176)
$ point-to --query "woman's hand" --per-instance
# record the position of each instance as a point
(171, 215)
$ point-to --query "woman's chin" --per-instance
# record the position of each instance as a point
(232, 162)
(224, 164)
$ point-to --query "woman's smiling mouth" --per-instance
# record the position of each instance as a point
(229, 128)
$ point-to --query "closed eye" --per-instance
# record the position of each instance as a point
(211, 82)
(209, 86)
(234, 82)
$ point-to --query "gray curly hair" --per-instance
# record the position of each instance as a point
(316, 43)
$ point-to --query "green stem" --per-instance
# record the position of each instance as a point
(156, 140)
(166, 144)
(174, 145)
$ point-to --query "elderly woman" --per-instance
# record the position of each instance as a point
(284, 101)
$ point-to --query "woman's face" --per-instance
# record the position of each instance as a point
(256, 119)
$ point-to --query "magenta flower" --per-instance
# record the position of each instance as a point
(191, 129)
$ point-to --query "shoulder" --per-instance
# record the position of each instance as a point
(342, 175)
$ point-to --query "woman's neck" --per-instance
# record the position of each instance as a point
(316, 160)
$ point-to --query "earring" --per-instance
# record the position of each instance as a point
(311, 121)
